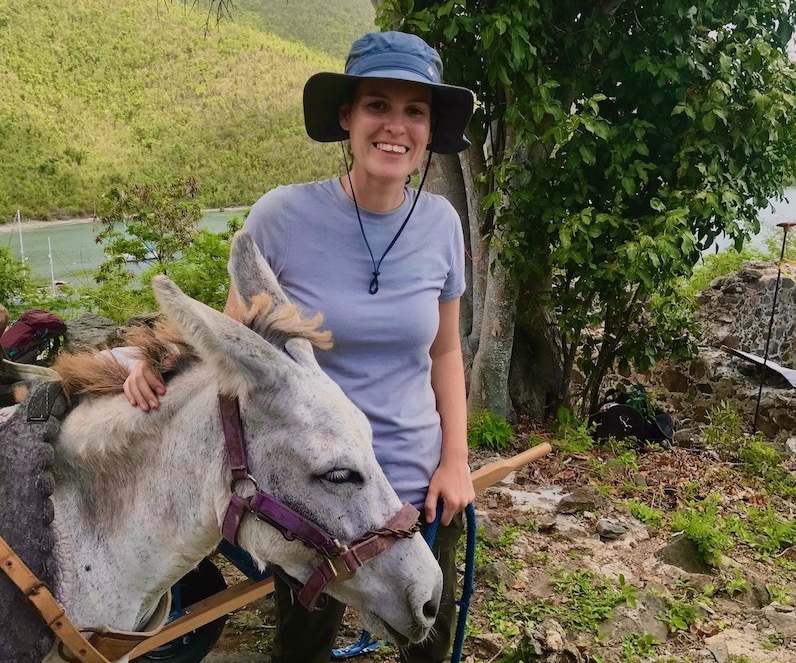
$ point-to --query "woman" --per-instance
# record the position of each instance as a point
(384, 264)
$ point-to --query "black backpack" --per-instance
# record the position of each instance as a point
(631, 415)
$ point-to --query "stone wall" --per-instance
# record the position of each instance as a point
(734, 312)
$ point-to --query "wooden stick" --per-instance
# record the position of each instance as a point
(490, 474)
(206, 611)
(237, 596)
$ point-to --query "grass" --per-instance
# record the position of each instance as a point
(110, 95)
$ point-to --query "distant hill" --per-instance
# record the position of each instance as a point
(97, 94)
(327, 26)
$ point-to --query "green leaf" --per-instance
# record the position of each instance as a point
(587, 153)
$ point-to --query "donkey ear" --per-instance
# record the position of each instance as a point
(242, 359)
(251, 274)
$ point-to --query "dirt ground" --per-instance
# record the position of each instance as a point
(560, 585)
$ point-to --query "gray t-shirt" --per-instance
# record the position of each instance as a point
(310, 236)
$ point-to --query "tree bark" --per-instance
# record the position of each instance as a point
(489, 376)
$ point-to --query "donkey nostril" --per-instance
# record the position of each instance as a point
(430, 609)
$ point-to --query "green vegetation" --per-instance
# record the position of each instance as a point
(646, 514)
(487, 431)
(635, 645)
(160, 220)
(719, 264)
(97, 95)
(572, 436)
(703, 525)
(726, 434)
(330, 27)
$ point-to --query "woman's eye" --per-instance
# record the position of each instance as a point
(376, 105)
(417, 112)
(342, 475)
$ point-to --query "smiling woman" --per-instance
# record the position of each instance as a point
(384, 263)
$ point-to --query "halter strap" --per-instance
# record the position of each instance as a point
(340, 561)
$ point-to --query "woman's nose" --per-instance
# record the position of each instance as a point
(394, 122)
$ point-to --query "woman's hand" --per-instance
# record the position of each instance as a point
(452, 484)
(143, 386)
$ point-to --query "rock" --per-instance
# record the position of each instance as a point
(610, 529)
(741, 645)
(550, 644)
(790, 446)
(719, 650)
(90, 331)
(570, 529)
(687, 438)
(682, 553)
(642, 618)
(3, 318)
(489, 644)
(495, 573)
(546, 522)
(537, 585)
(782, 618)
(487, 529)
(674, 380)
(757, 595)
(638, 480)
(540, 501)
(584, 498)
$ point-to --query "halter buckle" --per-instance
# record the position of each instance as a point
(337, 564)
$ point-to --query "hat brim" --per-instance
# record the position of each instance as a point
(325, 92)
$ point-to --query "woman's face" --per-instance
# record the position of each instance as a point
(389, 124)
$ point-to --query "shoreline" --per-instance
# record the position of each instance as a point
(37, 224)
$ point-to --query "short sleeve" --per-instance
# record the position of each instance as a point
(455, 283)
(267, 225)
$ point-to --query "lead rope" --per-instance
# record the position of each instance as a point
(366, 644)
(374, 282)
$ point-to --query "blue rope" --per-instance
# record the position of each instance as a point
(468, 585)
(366, 645)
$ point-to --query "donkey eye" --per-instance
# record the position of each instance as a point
(342, 475)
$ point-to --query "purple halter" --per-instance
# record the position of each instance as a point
(340, 561)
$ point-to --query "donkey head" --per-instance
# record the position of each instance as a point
(310, 448)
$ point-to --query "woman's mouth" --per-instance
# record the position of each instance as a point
(392, 149)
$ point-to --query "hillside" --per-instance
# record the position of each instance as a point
(97, 94)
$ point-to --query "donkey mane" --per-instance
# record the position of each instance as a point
(163, 347)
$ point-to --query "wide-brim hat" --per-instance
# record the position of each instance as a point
(396, 56)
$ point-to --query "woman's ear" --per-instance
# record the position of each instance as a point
(345, 116)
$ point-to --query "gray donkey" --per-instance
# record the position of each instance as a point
(140, 498)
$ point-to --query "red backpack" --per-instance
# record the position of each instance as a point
(34, 332)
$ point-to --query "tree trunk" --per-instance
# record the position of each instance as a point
(489, 376)
(536, 363)
(474, 164)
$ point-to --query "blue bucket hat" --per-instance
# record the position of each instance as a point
(391, 55)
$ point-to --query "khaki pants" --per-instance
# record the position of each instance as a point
(304, 636)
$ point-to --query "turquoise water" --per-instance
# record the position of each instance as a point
(74, 251)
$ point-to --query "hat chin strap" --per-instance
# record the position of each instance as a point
(373, 288)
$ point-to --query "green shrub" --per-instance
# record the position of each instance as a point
(704, 526)
(719, 264)
(486, 431)
(572, 436)
(646, 514)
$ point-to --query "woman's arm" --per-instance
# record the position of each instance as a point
(144, 384)
(451, 481)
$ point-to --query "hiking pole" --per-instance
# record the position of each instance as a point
(785, 228)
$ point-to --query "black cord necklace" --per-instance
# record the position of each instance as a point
(374, 282)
